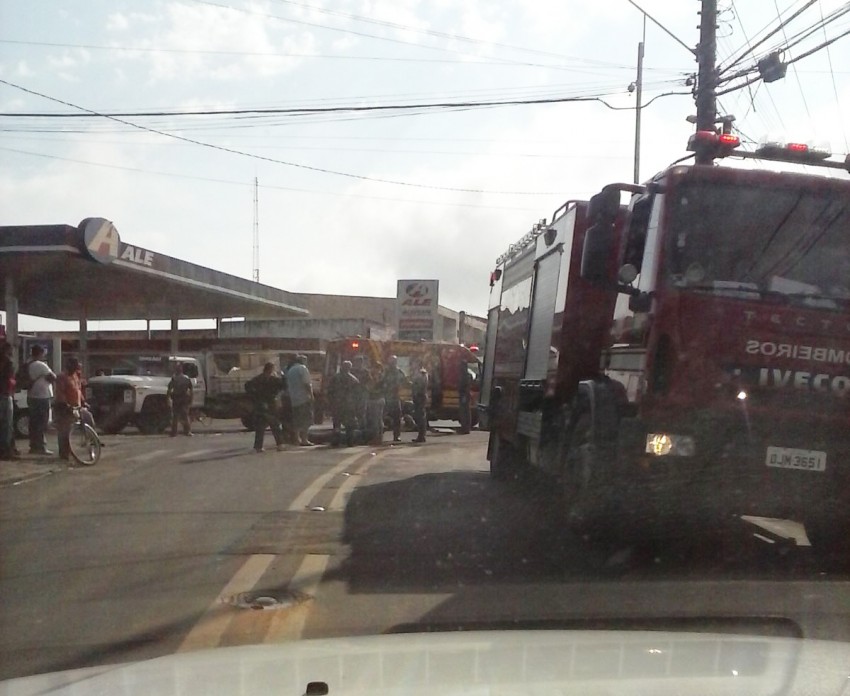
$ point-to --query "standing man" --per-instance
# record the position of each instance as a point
(69, 395)
(39, 396)
(301, 397)
(364, 378)
(264, 390)
(344, 397)
(464, 386)
(393, 380)
(375, 406)
(179, 394)
(419, 389)
(7, 404)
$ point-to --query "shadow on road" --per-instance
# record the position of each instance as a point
(438, 532)
(434, 532)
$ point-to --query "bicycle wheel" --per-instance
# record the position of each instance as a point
(85, 444)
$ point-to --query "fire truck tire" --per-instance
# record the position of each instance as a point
(584, 503)
(504, 460)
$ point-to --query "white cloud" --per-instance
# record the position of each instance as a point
(117, 21)
(195, 41)
(22, 69)
(67, 64)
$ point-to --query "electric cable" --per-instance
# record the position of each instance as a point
(350, 175)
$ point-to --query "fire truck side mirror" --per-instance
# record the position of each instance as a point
(604, 206)
(596, 254)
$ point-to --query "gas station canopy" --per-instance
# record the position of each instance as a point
(88, 272)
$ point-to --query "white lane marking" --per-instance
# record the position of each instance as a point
(195, 453)
(209, 629)
(341, 497)
(147, 456)
(289, 624)
(304, 498)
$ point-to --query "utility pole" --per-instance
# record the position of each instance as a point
(256, 260)
(706, 97)
(638, 104)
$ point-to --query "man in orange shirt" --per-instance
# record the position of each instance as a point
(68, 396)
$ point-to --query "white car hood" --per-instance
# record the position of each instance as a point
(486, 662)
(135, 380)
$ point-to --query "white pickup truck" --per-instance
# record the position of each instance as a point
(134, 393)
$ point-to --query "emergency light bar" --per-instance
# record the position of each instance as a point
(792, 152)
(798, 153)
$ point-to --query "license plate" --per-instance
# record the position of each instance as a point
(128, 397)
(789, 458)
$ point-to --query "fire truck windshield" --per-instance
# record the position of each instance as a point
(757, 241)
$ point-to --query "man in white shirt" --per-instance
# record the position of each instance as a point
(39, 396)
(301, 396)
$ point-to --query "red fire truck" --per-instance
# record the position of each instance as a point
(685, 357)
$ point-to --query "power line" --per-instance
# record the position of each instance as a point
(794, 68)
(834, 86)
(349, 175)
(305, 110)
(662, 27)
(363, 34)
(758, 43)
(749, 44)
(804, 34)
(469, 60)
(243, 184)
(430, 32)
(336, 148)
(754, 70)
(817, 48)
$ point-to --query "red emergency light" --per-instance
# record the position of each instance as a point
(713, 144)
(355, 345)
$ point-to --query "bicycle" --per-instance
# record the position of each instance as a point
(84, 440)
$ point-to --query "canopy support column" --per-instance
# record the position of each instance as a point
(84, 340)
(175, 335)
(11, 303)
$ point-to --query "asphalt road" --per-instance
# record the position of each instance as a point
(181, 544)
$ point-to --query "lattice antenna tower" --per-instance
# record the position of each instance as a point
(256, 263)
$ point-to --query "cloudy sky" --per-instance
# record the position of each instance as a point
(351, 200)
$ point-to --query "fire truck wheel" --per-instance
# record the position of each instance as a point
(582, 471)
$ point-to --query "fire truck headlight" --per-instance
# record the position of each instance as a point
(662, 444)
